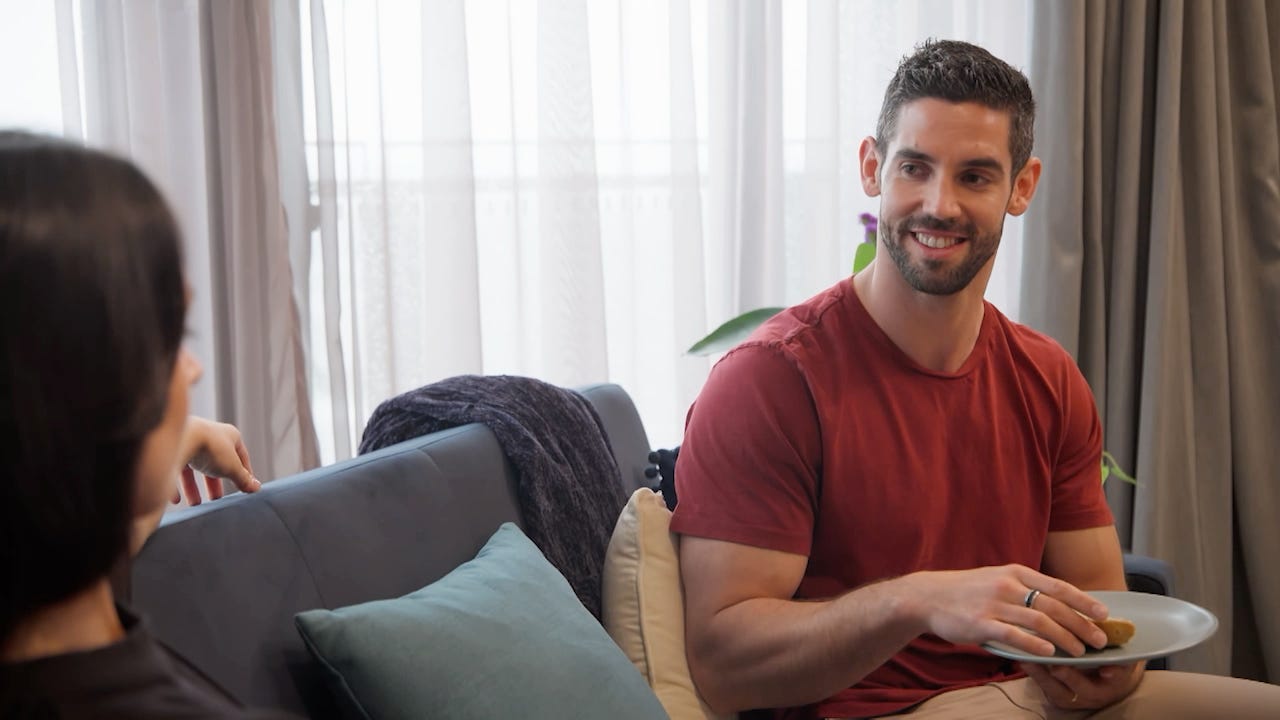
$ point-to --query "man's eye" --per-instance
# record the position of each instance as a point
(911, 169)
(975, 180)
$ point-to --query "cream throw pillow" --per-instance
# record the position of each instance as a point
(644, 603)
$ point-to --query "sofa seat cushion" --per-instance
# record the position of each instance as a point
(644, 603)
(501, 635)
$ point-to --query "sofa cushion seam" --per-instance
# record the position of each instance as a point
(306, 563)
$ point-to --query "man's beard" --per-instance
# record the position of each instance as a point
(932, 276)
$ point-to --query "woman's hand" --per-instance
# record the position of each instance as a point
(217, 451)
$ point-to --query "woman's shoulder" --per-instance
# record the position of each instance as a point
(136, 677)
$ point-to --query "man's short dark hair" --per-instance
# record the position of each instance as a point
(961, 72)
(92, 307)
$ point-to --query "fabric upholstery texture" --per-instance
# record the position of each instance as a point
(502, 635)
(644, 603)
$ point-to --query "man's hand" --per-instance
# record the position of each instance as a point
(976, 606)
(1071, 689)
(217, 451)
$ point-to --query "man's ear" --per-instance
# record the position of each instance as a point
(869, 164)
(1024, 187)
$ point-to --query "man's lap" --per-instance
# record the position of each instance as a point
(1161, 695)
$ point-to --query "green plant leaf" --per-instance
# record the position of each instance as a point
(731, 333)
(1111, 467)
(863, 255)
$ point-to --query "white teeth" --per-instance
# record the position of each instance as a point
(936, 242)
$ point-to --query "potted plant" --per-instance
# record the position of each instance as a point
(734, 331)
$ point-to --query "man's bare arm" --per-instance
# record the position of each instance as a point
(750, 645)
(1089, 559)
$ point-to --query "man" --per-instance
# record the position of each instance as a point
(890, 474)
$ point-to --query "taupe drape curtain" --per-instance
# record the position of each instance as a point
(1153, 254)
(262, 371)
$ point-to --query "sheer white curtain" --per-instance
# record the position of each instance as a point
(184, 89)
(126, 77)
(579, 190)
(566, 189)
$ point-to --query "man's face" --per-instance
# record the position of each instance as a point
(945, 183)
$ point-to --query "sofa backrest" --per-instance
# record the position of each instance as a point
(221, 582)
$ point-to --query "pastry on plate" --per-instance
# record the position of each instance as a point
(1119, 631)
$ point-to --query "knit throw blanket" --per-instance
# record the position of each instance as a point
(569, 486)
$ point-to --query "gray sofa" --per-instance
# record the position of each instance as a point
(221, 582)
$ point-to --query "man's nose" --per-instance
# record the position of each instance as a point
(941, 199)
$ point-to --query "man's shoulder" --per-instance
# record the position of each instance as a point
(1039, 360)
(789, 352)
(1041, 349)
(818, 318)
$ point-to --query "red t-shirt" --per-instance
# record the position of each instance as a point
(818, 436)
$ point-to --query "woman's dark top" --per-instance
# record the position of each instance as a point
(136, 677)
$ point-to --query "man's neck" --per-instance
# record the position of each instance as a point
(84, 621)
(937, 332)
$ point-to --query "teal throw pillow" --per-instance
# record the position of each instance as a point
(502, 635)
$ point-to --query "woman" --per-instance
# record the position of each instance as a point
(94, 386)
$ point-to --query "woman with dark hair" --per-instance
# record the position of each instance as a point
(94, 386)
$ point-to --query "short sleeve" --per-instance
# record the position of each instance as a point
(749, 467)
(1078, 500)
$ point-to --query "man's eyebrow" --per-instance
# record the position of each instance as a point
(916, 155)
(984, 162)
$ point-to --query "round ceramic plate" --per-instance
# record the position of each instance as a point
(1164, 625)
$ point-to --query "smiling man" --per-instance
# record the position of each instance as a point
(892, 473)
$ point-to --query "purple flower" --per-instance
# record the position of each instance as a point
(870, 223)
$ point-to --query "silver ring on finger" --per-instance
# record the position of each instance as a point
(1030, 599)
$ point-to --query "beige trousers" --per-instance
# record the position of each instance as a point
(1161, 695)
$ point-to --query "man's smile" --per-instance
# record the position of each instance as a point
(937, 242)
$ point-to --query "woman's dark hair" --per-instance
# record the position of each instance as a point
(961, 72)
(92, 306)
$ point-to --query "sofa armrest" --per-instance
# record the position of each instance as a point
(1148, 575)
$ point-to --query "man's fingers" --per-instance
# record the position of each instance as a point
(1064, 592)
(1058, 623)
(1016, 637)
(1076, 682)
(1065, 608)
(1044, 678)
(1079, 625)
(1046, 628)
(189, 487)
(1086, 689)
(1111, 672)
(1053, 688)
